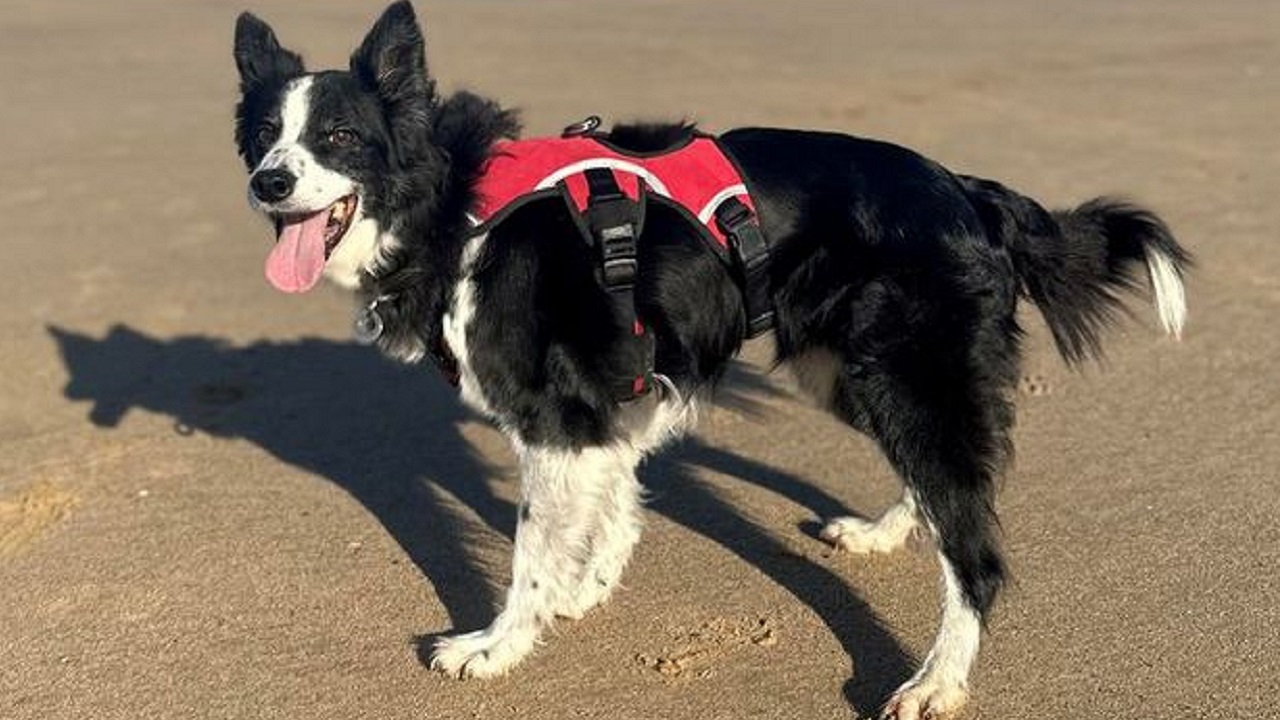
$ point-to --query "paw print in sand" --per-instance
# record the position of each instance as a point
(1034, 385)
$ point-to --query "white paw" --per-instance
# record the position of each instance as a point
(481, 654)
(860, 536)
(925, 699)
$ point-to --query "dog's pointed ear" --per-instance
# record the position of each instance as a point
(259, 57)
(392, 60)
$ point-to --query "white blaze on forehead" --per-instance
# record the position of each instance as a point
(294, 109)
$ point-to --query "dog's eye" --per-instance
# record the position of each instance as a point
(265, 135)
(342, 137)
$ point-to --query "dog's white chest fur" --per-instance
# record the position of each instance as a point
(457, 321)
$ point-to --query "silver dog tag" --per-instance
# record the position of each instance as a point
(367, 326)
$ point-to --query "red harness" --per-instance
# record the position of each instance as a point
(607, 187)
(696, 176)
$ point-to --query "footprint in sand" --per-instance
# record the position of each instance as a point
(695, 653)
(1035, 385)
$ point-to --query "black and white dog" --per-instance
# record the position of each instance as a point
(894, 284)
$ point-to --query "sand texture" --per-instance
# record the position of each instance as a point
(213, 504)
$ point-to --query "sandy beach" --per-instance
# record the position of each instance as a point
(214, 504)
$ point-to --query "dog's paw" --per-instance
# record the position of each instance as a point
(859, 536)
(925, 699)
(481, 654)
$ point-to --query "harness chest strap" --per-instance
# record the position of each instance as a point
(614, 221)
(751, 254)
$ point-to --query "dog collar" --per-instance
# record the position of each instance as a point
(369, 326)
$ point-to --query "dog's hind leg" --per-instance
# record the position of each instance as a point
(818, 374)
(561, 492)
(946, 460)
(942, 420)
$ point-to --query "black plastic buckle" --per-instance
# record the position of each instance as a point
(738, 222)
(750, 251)
(732, 214)
(610, 214)
(618, 254)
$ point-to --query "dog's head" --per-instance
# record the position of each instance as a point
(334, 157)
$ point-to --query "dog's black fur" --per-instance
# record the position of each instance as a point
(904, 272)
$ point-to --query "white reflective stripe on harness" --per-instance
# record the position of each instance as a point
(704, 215)
(582, 166)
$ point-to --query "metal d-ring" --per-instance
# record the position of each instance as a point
(368, 325)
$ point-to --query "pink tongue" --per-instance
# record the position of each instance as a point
(297, 260)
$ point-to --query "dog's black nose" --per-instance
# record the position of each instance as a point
(272, 185)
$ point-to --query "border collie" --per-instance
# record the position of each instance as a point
(893, 282)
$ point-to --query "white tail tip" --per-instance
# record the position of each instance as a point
(1170, 296)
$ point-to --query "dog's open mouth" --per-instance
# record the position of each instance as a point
(305, 242)
(341, 213)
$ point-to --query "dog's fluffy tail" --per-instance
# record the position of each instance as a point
(1074, 264)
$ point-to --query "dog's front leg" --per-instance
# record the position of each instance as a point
(560, 492)
(614, 534)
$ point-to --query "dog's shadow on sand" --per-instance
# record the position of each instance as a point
(389, 435)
